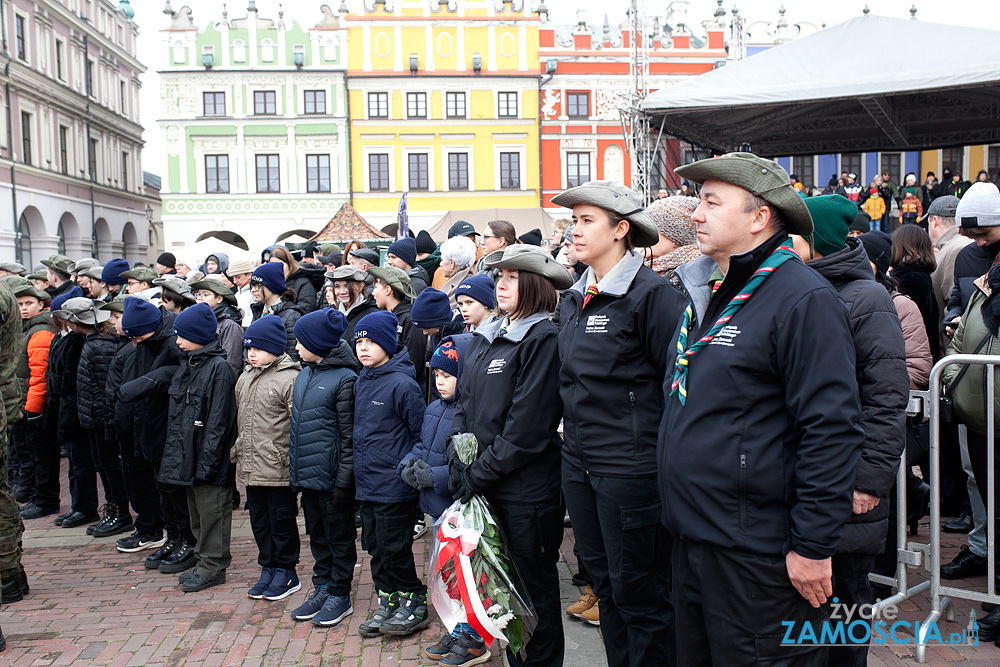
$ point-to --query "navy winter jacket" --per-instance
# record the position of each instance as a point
(321, 452)
(388, 416)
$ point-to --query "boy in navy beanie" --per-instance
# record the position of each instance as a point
(476, 297)
(322, 461)
(201, 429)
(264, 399)
(432, 319)
(403, 255)
(388, 417)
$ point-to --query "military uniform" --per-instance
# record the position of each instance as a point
(11, 335)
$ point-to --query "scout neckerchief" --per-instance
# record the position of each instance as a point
(781, 254)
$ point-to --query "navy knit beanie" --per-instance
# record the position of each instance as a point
(445, 357)
(431, 309)
(268, 334)
(111, 273)
(139, 317)
(480, 287)
(320, 331)
(380, 328)
(272, 276)
(57, 302)
(405, 249)
(197, 324)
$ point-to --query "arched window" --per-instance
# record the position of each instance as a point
(179, 55)
(22, 243)
(329, 50)
(267, 51)
(239, 51)
(61, 239)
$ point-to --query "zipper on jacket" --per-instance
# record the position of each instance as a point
(635, 421)
(569, 356)
(743, 491)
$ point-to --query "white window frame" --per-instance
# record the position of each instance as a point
(388, 99)
(382, 149)
(496, 104)
(432, 185)
(446, 176)
(522, 165)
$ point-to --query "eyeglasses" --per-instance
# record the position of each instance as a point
(487, 236)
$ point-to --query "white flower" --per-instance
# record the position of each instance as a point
(495, 610)
(456, 607)
(504, 620)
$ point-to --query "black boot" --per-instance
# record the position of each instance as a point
(3, 641)
(918, 495)
(118, 520)
(15, 587)
(989, 627)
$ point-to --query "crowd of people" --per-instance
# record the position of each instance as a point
(648, 372)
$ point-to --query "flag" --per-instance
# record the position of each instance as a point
(402, 220)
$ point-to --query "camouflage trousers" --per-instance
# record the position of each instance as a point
(11, 526)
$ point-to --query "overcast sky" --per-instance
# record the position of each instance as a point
(152, 53)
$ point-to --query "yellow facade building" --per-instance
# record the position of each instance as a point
(444, 106)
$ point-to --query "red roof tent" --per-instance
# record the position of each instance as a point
(346, 226)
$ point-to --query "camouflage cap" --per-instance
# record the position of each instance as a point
(143, 274)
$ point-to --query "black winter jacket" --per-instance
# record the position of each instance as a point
(915, 282)
(229, 327)
(202, 425)
(419, 280)
(510, 401)
(884, 385)
(307, 282)
(321, 451)
(762, 456)
(61, 416)
(145, 380)
(289, 313)
(91, 381)
(971, 262)
(614, 356)
(123, 414)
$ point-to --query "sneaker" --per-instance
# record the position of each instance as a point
(467, 651)
(118, 520)
(410, 615)
(336, 609)
(256, 591)
(197, 582)
(284, 583)
(592, 616)
(312, 605)
(586, 601)
(419, 529)
(441, 648)
(140, 541)
(62, 517)
(154, 559)
(180, 559)
(33, 511)
(387, 603)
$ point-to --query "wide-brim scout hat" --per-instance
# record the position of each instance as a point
(116, 305)
(393, 277)
(348, 272)
(14, 267)
(620, 200)
(760, 177)
(83, 311)
(176, 285)
(533, 259)
(27, 288)
(82, 264)
(94, 273)
(216, 286)
(143, 274)
(60, 263)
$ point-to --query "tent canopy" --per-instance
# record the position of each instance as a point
(197, 252)
(523, 219)
(869, 84)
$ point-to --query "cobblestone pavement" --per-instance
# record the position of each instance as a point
(91, 605)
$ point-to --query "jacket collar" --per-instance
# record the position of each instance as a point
(279, 363)
(619, 284)
(491, 330)
(947, 236)
(694, 276)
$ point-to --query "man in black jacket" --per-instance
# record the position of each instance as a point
(884, 385)
(759, 438)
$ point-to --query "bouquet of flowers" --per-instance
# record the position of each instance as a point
(471, 577)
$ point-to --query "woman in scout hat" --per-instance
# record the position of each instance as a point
(345, 291)
(510, 402)
(175, 293)
(614, 323)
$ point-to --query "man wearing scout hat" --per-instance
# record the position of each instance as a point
(12, 269)
(139, 282)
(759, 440)
(58, 274)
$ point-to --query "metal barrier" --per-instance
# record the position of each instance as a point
(941, 596)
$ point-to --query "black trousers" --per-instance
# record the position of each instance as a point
(730, 608)
(140, 487)
(273, 510)
(851, 587)
(978, 456)
(174, 509)
(45, 453)
(109, 467)
(82, 476)
(387, 536)
(20, 463)
(533, 534)
(626, 550)
(332, 538)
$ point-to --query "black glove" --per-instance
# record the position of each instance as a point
(455, 468)
(420, 471)
(463, 490)
(343, 497)
(407, 474)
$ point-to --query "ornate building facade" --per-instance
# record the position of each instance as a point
(444, 106)
(71, 179)
(254, 113)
